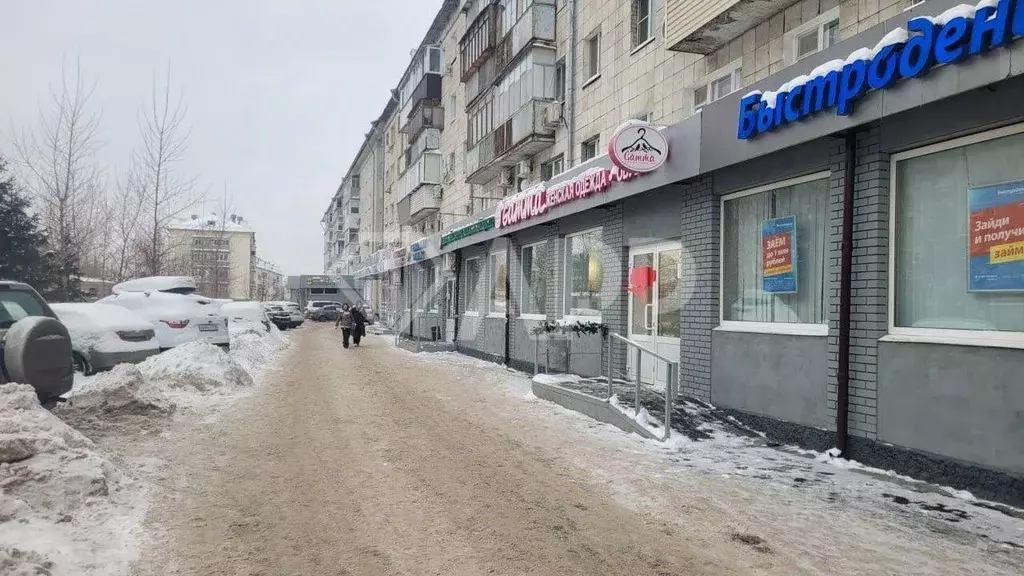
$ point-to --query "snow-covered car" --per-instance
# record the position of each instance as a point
(278, 316)
(178, 319)
(104, 335)
(35, 348)
(246, 315)
(294, 312)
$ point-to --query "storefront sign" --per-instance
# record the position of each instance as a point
(909, 52)
(456, 234)
(778, 255)
(539, 199)
(996, 225)
(638, 147)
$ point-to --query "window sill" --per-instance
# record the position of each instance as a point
(496, 315)
(591, 80)
(779, 328)
(980, 339)
(642, 45)
(471, 313)
(539, 317)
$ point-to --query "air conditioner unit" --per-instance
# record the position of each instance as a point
(524, 168)
(551, 114)
(505, 177)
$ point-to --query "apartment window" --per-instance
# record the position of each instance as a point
(956, 236)
(641, 22)
(499, 277)
(774, 251)
(552, 168)
(536, 268)
(717, 85)
(353, 209)
(560, 80)
(472, 284)
(812, 36)
(584, 275)
(452, 112)
(644, 117)
(593, 56)
(588, 149)
(355, 182)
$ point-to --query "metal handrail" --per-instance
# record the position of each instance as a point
(670, 386)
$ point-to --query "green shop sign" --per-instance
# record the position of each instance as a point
(482, 225)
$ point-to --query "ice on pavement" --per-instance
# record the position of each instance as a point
(806, 484)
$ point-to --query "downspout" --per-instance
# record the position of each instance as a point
(570, 88)
(508, 304)
(455, 305)
(845, 305)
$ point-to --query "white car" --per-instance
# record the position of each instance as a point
(177, 318)
(293, 309)
(103, 335)
(246, 315)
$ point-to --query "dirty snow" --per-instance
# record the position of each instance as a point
(65, 508)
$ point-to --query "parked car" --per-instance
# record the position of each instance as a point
(279, 316)
(294, 311)
(246, 315)
(35, 348)
(313, 307)
(104, 335)
(177, 318)
(329, 313)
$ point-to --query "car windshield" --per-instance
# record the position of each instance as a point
(18, 304)
(184, 290)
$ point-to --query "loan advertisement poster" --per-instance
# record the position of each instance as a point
(778, 255)
(996, 236)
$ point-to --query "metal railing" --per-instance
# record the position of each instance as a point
(671, 383)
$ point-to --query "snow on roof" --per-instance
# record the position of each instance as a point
(89, 317)
(155, 283)
(213, 223)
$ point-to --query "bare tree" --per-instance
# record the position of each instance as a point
(156, 166)
(127, 203)
(59, 168)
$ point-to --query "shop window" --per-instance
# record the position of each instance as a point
(536, 266)
(498, 283)
(774, 250)
(435, 289)
(472, 284)
(958, 237)
(584, 275)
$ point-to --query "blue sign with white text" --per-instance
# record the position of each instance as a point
(903, 53)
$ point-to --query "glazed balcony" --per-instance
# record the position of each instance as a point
(425, 116)
(477, 44)
(536, 24)
(703, 26)
(421, 189)
(529, 131)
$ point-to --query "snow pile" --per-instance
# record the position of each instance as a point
(58, 496)
(121, 400)
(196, 366)
(253, 348)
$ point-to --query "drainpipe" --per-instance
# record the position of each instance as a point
(845, 281)
(570, 88)
(455, 306)
(508, 304)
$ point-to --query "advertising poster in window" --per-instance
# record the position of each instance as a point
(996, 236)
(778, 255)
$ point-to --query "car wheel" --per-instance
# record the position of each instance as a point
(81, 364)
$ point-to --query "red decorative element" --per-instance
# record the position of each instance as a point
(641, 278)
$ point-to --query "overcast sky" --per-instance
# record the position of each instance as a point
(279, 93)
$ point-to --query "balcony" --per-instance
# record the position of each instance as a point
(536, 24)
(703, 26)
(428, 140)
(420, 189)
(526, 133)
(428, 91)
(425, 116)
(478, 42)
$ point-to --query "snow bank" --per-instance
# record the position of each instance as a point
(121, 400)
(253, 348)
(197, 366)
(59, 497)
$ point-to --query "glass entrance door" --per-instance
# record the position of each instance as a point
(654, 304)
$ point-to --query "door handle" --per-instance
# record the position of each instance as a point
(649, 316)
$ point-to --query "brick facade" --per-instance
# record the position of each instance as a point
(699, 311)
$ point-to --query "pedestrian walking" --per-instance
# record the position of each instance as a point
(346, 324)
(358, 324)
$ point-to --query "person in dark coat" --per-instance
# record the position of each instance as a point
(346, 323)
(358, 324)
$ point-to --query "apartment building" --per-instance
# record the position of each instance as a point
(820, 226)
(268, 282)
(340, 224)
(219, 252)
